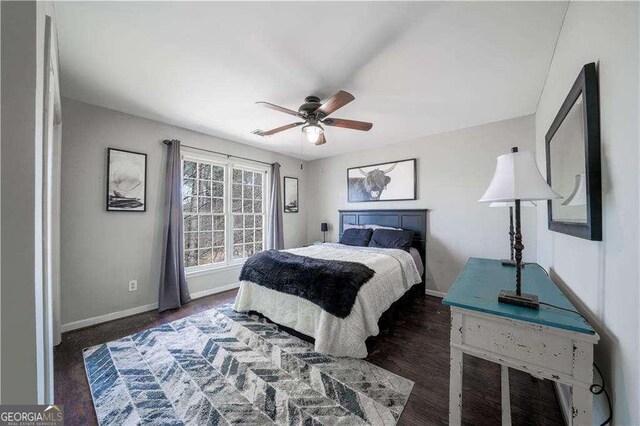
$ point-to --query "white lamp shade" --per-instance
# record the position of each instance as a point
(512, 204)
(517, 177)
(579, 195)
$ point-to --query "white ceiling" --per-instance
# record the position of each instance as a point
(415, 68)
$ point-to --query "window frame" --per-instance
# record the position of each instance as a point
(228, 164)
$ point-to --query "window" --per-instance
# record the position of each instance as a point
(224, 212)
(248, 212)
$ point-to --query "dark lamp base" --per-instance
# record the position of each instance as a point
(509, 262)
(526, 300)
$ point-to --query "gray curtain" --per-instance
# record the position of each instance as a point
(275, 238)
(173, 291)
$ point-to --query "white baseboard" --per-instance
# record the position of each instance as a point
(74, 325)
(137, 310)
(435, 293)
(216, 290)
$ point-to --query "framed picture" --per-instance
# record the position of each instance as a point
(126, 181)
(393, 181)
(290, 195)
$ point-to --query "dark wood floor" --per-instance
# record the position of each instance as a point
(417, 347)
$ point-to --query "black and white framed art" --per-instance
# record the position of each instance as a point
(126, 181)
(392, 181)
(291, 204)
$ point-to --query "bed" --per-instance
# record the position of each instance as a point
(396, 282)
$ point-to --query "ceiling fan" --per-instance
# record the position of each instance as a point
(314, 113)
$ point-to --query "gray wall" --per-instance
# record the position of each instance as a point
(454, 169)
(0, 208)
(603, 276)
(102, 251)
(18, 201)
(21, 176)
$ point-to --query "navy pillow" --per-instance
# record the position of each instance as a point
(356, 237)
(391, 238)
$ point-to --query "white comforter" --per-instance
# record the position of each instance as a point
(395, 273)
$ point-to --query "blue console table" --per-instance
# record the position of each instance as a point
(548, 343)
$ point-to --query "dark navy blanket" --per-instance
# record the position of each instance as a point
(331, 284)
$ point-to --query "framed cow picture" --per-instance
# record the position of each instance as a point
(392, 181)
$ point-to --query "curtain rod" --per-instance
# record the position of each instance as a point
(166, 142)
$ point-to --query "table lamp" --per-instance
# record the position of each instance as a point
(517, 179)
(511, 205)
(324, 228)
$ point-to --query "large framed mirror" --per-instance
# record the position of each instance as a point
(573, 161)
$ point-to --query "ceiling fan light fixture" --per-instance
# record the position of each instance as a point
(313, 132)
(313, 113)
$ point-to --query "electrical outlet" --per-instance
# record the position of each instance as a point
(133, 285)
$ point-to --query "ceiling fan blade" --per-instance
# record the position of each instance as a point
(348, 124)
(335, 102)
(277, 129)
(279, 108)
(322, 140)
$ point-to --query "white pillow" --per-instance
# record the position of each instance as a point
(381, 227)
(374, 227)
(351, 226)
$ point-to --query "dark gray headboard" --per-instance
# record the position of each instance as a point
(411, 220)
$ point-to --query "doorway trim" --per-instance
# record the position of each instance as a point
(48, 318)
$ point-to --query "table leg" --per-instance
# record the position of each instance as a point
(455, 388)
(581, 402)
(506, 397)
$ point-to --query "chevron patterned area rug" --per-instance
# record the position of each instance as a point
(223, 367)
